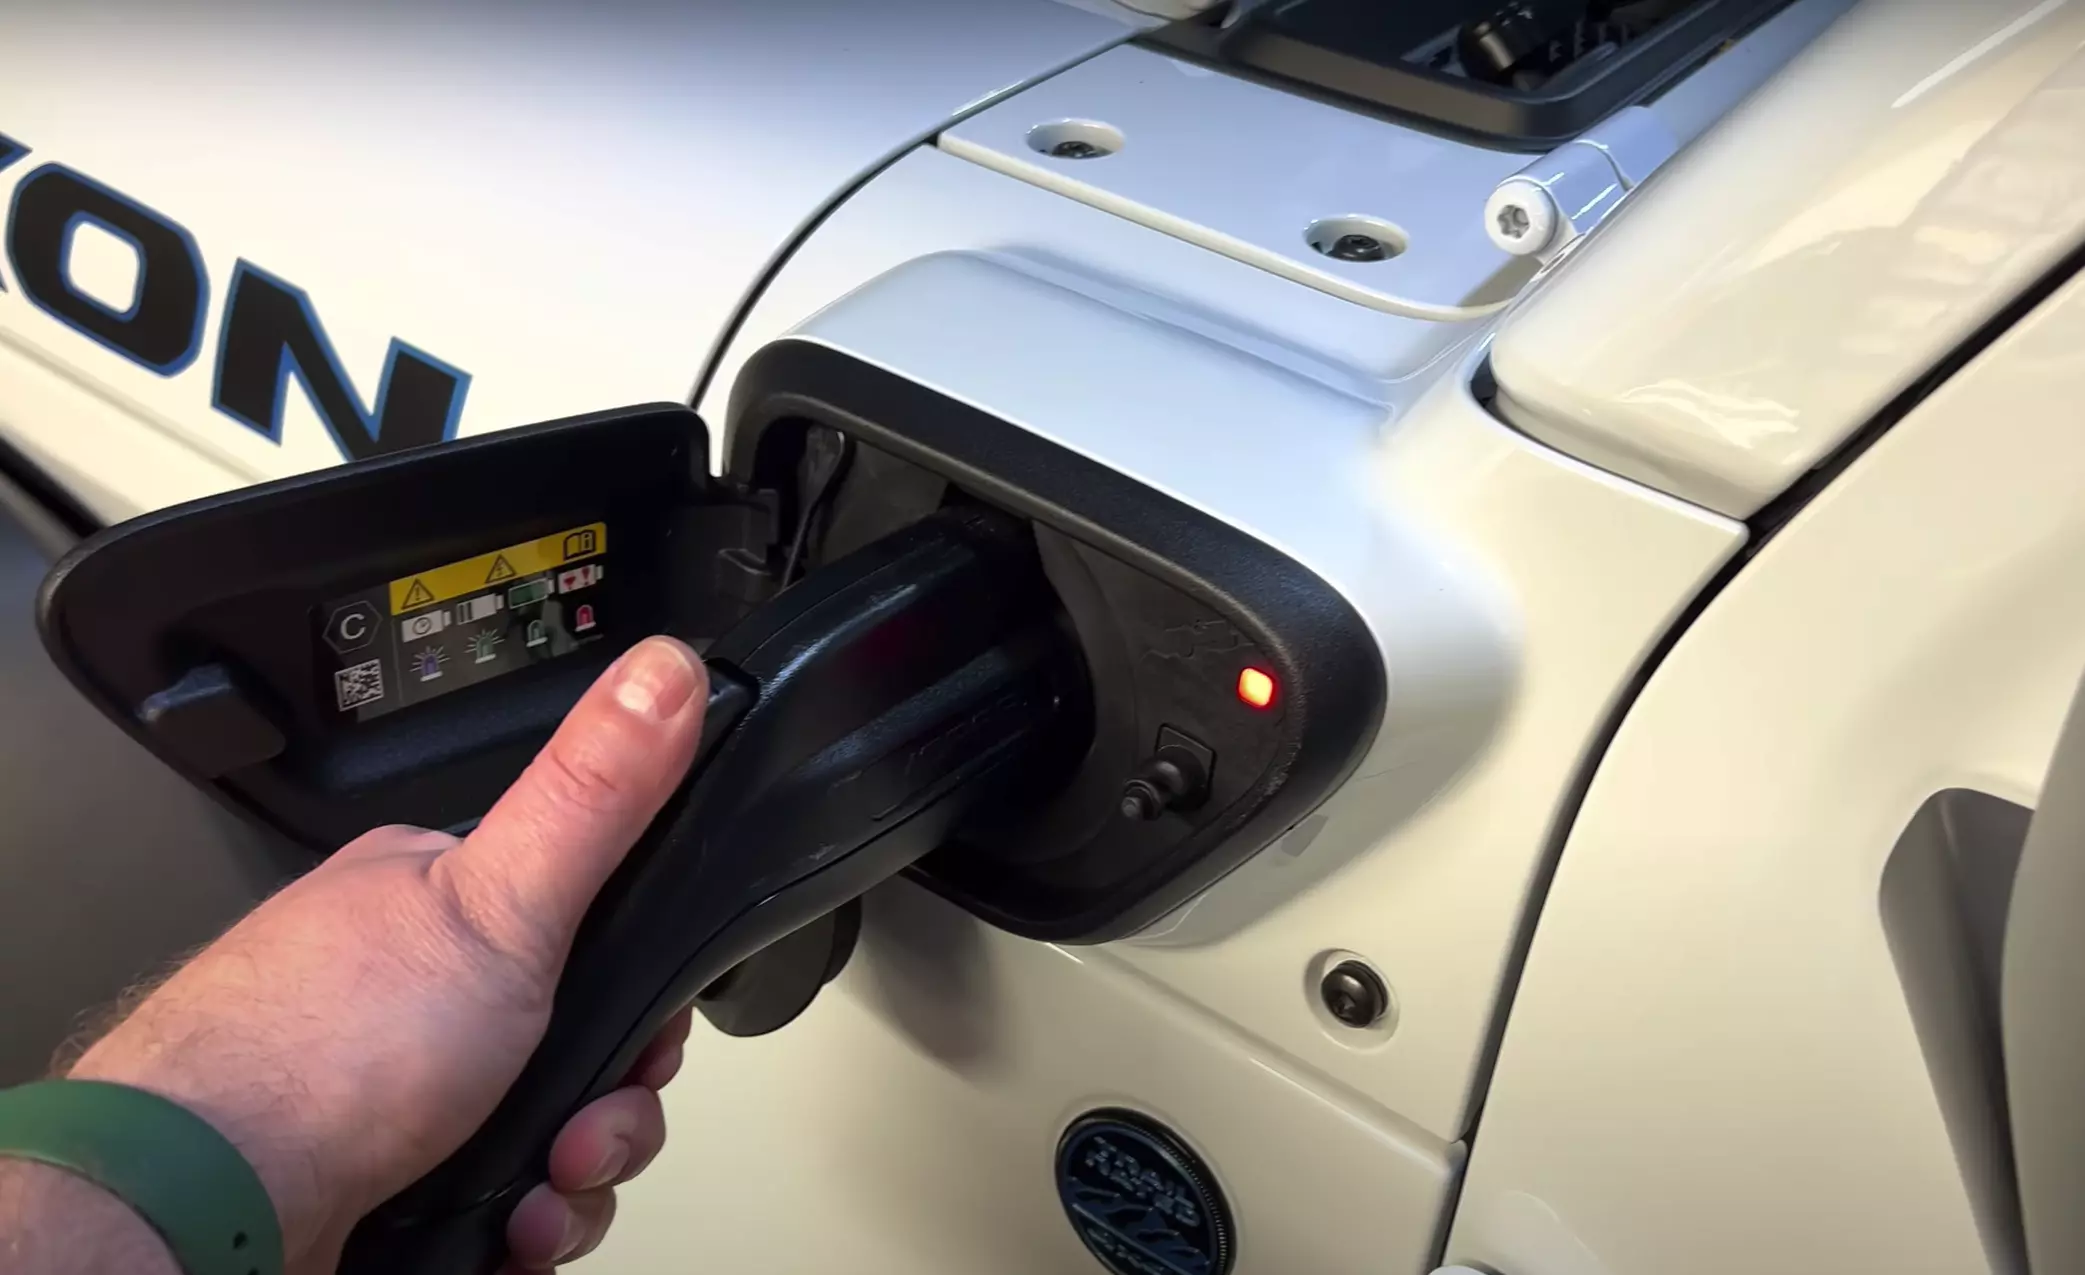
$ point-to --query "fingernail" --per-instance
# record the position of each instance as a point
(574, 1236)
(655, 680)
(611, 1166)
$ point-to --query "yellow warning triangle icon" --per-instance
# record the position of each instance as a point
(501, 570)
(417, 596)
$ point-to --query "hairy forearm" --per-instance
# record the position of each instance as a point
(52, 1223)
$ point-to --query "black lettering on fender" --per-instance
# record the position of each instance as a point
(10, 151)
(271, 333)
(164, 325)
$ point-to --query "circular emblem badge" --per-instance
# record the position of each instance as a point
(1143, 1203)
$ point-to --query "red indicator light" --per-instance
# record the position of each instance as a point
(1256, 687)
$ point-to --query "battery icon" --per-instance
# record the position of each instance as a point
(529, 593)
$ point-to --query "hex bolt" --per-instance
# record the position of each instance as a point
(1073, 148)
(1354, 237)
(1354, 994)
(1357, 247)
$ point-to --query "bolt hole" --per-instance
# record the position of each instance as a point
(239, 1240)
(1514, 221)
(1355, 238)
(1075, 139)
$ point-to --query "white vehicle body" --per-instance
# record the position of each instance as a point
(1765, 541)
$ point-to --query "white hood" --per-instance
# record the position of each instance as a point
(565, 205)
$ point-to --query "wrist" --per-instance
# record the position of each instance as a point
(259, 1125)
(53, 1223)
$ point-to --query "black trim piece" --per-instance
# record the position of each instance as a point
(1534, 120)
(1763, 526)
(238, 580)
(1329, 662)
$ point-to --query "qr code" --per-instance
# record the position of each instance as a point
(359, 685)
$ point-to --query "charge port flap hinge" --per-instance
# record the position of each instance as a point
(1558, 199)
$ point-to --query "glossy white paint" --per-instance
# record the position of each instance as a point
(1565, 194)
(1463, 543)
(1244, 170)
(1160, 10)
(1187, 417)
(1710, 1066)
(569, 203)
(1814, 254)
(1589, 573)
(1143, 13)
(1708, 92)
(1557, 199)
(906, 1124)
(930, 202)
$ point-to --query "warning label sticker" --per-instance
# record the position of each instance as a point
(455, 579)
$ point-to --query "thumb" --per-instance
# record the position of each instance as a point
(528, 872)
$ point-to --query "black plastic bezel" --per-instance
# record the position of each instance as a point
(1329, 663)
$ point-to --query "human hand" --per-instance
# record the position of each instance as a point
(355, 1029)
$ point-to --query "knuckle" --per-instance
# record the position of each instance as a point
(391, 832)
(384, 837)
(578, 777)
(395, 839)
(486, 922)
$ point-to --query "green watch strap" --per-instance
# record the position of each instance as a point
(171, 1166)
